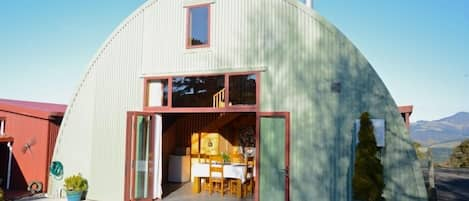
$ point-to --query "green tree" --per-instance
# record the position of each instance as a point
(460, 156)
(367, 179)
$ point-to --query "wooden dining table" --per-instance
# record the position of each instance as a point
(230, 171)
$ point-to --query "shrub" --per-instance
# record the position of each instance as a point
(460, 156)
(367, 181)
(76, 183)
(420, 155)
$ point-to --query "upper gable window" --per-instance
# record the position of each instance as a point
(198, 34)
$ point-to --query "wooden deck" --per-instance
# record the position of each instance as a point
(184, 193)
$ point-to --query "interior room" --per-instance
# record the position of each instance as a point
(190, 142)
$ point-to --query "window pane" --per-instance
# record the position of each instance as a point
(142, 157)
(199, 25)
(243, 89)
(157, 93)
(197, 91)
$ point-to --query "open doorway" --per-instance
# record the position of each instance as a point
(169, 155)
(189, 139)
(189, 121)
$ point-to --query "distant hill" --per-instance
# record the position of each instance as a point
(448, 129)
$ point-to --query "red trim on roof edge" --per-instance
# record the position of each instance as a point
(35, 109)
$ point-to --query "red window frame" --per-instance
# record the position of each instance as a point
(228, 108)
(189, 26)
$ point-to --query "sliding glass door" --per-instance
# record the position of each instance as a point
(140, 157)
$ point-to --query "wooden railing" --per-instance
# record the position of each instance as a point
(219, 99)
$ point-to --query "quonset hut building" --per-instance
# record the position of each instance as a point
(177, 74)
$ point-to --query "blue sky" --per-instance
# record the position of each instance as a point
(420, 48)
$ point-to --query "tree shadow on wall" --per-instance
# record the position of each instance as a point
(303, 59)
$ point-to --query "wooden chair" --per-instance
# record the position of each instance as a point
(248, 185)
(204, 158)
(216, 179)
(234, 183)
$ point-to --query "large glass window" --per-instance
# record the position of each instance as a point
(199, 19)
(243, 89)
(157, 93)
(202, 91)
(198, 91)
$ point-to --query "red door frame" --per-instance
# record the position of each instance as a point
(129, 182)
(286, 116)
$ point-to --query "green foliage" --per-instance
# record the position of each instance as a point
(1, 194)
(226, 157)
(420, 155)
(76, 183)
(367, 181)
(460, 156)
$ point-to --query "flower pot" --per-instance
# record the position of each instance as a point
(83, 195)
(74, 195)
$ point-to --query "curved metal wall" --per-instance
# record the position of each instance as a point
(300, 55)
(92, 137)
(303, 72)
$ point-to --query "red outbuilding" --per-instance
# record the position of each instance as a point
(28, 131)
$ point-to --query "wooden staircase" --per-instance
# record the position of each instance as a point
(219, 99)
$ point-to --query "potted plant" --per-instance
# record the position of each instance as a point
(75, 186)
(226, 157)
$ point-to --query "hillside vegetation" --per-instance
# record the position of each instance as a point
(460, 156)
(454, 128)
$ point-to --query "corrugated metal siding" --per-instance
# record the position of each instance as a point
(117, 93)
(73, 145)
(93, 130)
(303, 55)
(231, 46)
(322, 121)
